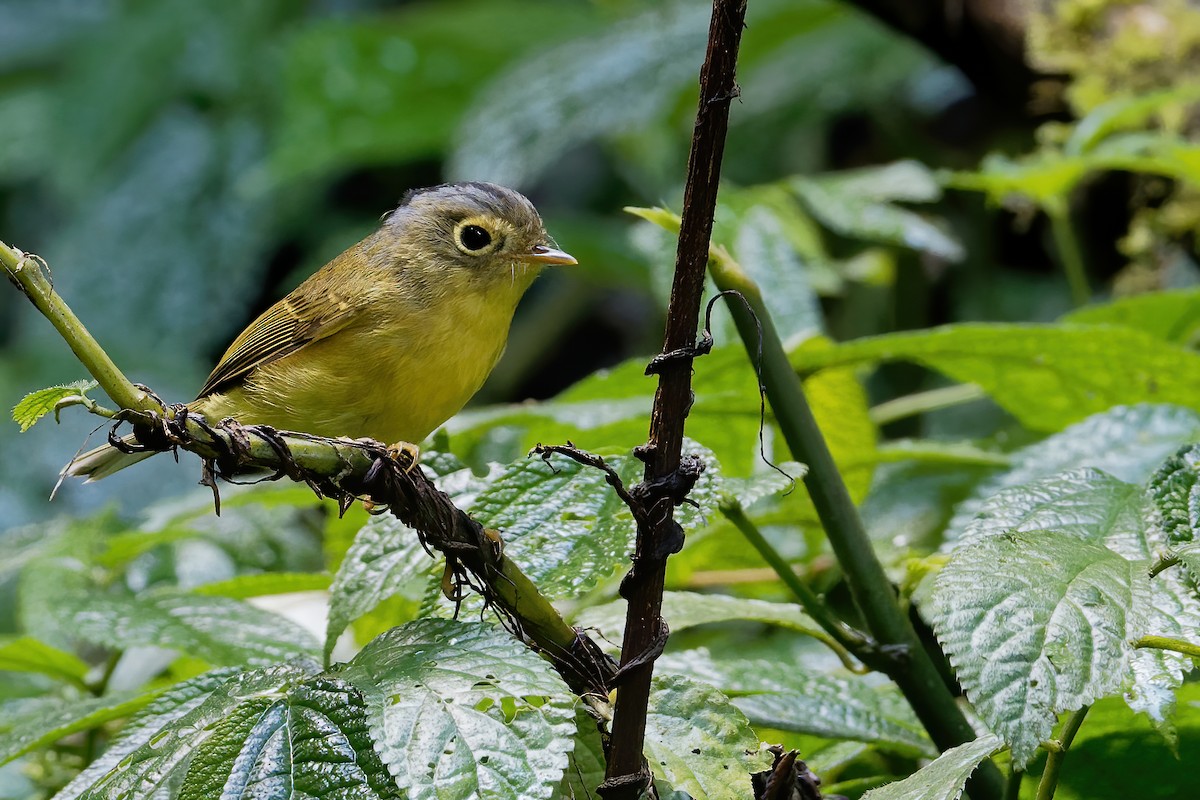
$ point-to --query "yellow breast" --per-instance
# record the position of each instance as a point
(393, 375)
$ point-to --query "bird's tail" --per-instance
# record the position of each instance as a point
(103, 461)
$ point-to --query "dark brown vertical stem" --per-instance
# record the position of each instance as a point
(644, 586)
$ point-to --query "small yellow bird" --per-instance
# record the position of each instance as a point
(392, 337)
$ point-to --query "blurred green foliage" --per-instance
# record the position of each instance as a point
(181, 165)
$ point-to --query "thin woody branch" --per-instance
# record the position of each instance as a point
(645, 630)
(341, 469)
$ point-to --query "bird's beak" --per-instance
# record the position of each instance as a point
(544, 254)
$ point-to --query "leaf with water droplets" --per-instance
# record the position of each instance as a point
(311, 742)
(463, 710)
(168, 742)
(566, 527)
(1096, 507)
(172, 704)
(1037, 623)
(699, 743)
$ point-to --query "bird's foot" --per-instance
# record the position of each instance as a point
(406, 454)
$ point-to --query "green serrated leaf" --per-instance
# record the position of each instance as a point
(218, 630)
(699, 743)
(29, 724)
(943, 778)
(748, 491)
(312, 742)
(36, 405)
(385, 557)
(1047, 376)
(904, 181)
(582, 85)
(808, 701)
(170, 705)
(163, 755)
(1128, 443)
(1050, 632)
(462, 709)
(1175, 491)
(564, 524)
(1086, 503)
(587, 760)
(1189, 556)
(27, 654)
(1098, 508)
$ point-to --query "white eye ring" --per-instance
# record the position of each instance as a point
(474, 239)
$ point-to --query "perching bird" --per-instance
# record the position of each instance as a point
(392, 337)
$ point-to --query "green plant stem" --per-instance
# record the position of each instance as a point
(845, 637)
(1069, 252)
(901, 654)
(913, 404)
(30, 275)
(1054, 759)
(1167, 643)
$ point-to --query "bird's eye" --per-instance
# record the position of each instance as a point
(474, 238)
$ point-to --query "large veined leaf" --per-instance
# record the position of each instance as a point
(566, 527)
(699, 745)
(58, 599)
(808, 700)
(1170, 316)
(1189, 556)
(385, 556)
(587, 760)
(216, 629)
(1046, 376)
(1036, 623)
(1098, 508)
(462, 709)
(610, 408)
(163, 759)
(1086, 503)
(1128, 443)
(1175, 491)
(172, 704)
(311, 742)
(944, 777)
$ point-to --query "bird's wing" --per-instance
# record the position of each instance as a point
(313, 311)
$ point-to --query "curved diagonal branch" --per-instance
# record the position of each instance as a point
(339, 468)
